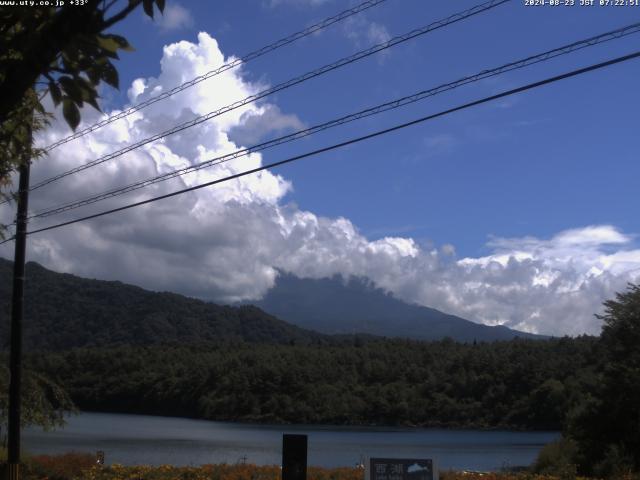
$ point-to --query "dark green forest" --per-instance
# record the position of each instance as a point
(63, 311)
(520, 384)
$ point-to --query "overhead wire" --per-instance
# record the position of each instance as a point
(223, 68)
(282, 86)
(352, 141)
(391, 105)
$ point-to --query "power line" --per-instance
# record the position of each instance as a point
(282, 86)
(223, 68)
(534, 59)
(529, 86)
(12, 235)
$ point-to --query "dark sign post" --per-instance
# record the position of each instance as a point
(294, 457)
(401, 469)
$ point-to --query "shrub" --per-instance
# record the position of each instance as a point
(60, 467)
(558, 459)
(615, 464)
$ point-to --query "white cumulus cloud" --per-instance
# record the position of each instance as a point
(175, 17)
(227, 242)
(364, 32)
(256, 125)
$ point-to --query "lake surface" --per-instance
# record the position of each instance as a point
(140, 439)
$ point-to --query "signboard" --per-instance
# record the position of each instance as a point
(401, 469)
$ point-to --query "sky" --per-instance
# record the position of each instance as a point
(518, 212)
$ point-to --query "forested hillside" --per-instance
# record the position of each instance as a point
(518, 384)
(120, 348)
(65, 311)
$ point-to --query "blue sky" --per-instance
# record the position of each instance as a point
(561, 157)
(519, 212)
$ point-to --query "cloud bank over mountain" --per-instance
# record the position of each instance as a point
(227, 242)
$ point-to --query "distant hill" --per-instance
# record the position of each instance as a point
(335, 306)
(64, 311)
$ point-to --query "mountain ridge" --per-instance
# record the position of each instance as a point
(66, 311)
(356, 305)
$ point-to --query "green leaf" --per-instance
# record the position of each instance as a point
(110, 75)
(70, 112)
(106, 42)
(94, 103)
(148, 7)
(94, 75)
(72, 89)
(123, 43)
(109, 54)
(56, 94)
(112, 43)
(89, 93)
(160, 4)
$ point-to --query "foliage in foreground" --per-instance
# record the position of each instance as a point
(66, 466)
(602, 432)
(78, 466)
(65, 48)
(557, 459)
(606, 426)
(44, 402)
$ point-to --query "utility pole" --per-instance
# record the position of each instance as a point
(17, 311)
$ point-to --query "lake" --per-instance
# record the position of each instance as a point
(140, 439)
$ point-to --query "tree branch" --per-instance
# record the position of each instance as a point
(122, 14)
(41, 50)
(109, 5)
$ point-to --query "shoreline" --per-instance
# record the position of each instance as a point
(355, 427)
